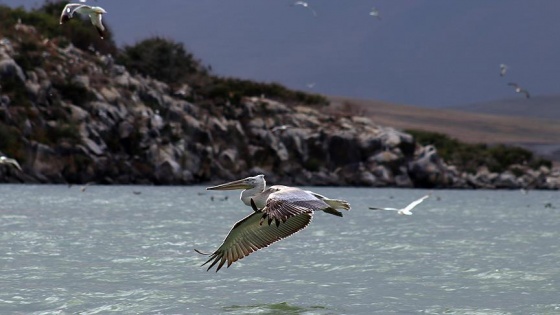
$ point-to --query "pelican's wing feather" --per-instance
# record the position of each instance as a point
(286, 202)
(251, 234)
(415, 203)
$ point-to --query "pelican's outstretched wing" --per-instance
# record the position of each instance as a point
(250, 234)
(286, 202)
(415, 203)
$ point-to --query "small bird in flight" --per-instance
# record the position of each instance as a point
(6, 160)
(375, 13)
(519, 89)
(305, 5)
(407, 209)
(280, 128)
(503, 69)
(94, 13)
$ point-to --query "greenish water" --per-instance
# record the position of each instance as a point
(108, 250)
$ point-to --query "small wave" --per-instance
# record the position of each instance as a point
(276, 308)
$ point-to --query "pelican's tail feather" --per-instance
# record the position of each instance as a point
(337, 204)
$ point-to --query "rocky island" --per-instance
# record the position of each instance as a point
(72, 114)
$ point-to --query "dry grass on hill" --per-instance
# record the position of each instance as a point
(464, 126)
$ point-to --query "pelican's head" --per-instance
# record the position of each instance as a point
(246, 183)
(98, 10)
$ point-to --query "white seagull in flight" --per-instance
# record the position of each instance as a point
(407, 209)
(305, 5)
(375, 13)
(278, 212)
(519, 89)
(94, 13)
(6, 160)
(503, 69)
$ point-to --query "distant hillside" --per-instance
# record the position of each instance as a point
(540, 135)
(543, 107)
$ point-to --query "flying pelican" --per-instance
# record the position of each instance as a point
(14, 162)
(94, 13)
(503, 69)
(407, 209)
(305, 5)
(290, 208)
(519, 89)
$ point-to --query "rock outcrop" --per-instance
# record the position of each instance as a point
(87, 119)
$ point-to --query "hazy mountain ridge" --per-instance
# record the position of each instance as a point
(546, 107)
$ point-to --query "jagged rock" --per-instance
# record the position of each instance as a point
(81, 80)
(134, 129)
(45, 162)
(506, 180)
(387, 158)
(110, 94)
(427, 170)
(402, 179)
(344, 148)
(78, 114)
(367, 178)
(125, 129)
(9, 69)
(552, 181)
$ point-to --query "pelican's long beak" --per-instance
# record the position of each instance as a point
(238, 184)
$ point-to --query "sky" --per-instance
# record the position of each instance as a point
(430, 53)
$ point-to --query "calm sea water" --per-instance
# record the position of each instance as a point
(108, 250)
